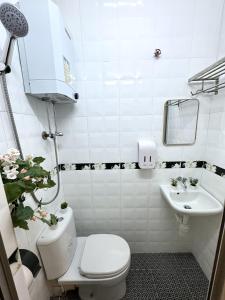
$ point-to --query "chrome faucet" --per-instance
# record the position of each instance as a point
(183, 180)
(51, 135)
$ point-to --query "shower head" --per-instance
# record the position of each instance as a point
(13, 20)
(16, 25)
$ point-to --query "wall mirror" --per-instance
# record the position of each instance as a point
(180, 121)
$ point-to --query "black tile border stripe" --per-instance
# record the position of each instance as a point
(130, 165)
(214, 169)
(134, 166)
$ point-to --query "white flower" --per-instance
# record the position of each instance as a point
(116, 167)
(10, 168)
(129, 165)
(160, 165)
(86, 167)
(6, 160)
(176, 166)
(13, 153)
(99, 166)
(7, 169)
(67, 167)
(211, 168)
(190, 164)
(11, 174)
(29, 157)
(73, 167)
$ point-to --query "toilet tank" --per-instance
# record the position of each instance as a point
(57, 246)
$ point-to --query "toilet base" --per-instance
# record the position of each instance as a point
(103, 292)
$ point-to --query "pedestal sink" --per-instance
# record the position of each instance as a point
(197, 202)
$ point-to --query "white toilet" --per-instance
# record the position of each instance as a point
(97, 264)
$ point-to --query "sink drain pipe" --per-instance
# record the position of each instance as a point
(183, 224)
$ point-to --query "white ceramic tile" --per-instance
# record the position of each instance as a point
(122, 91)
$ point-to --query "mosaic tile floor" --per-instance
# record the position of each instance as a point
(163, 276)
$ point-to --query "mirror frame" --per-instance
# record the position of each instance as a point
(165, 122)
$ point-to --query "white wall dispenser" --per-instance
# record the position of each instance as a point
(46, 53)
(146, 154)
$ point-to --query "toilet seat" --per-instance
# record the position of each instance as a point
(104, 256)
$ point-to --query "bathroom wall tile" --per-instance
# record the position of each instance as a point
(134, 236)
(103, 107)
(107, 226)
(79, 201)
(110, 50)
(83, 214)
(213, 184)
(111, 70)
(123, 89)
(73, 125)
(134, 123)
(131, 107)
(79, 155)
(106, 214)
(115, 69)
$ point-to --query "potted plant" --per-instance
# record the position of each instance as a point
(174, 182)
(193, 182)
(20, 178)
(53, 221)
(64, 206)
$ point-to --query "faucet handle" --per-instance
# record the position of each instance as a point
(58, 133)
(184, 179)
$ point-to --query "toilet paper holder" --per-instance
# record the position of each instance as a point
(28, 259)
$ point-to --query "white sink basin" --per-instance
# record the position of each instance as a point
(191, 202)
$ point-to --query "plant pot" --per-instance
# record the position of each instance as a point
(54, 227)
(193, 187)
(63, 210)
(173, 187)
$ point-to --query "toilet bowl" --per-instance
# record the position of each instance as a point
(97, 264)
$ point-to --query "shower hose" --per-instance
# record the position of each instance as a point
(18, 145)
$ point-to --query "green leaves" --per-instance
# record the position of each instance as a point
(38, 160)
(64, 205)
(45, 221)
(30, 176)
(23, 163)
(37, 171)
(13, 191)
(28, 186)
(50, 183)
(20, 215)
(53, 220)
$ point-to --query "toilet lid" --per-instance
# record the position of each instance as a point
(104, 255)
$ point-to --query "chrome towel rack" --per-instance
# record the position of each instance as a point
(177, 102)
(212, 74)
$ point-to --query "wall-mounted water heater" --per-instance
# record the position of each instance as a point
(46, 53)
